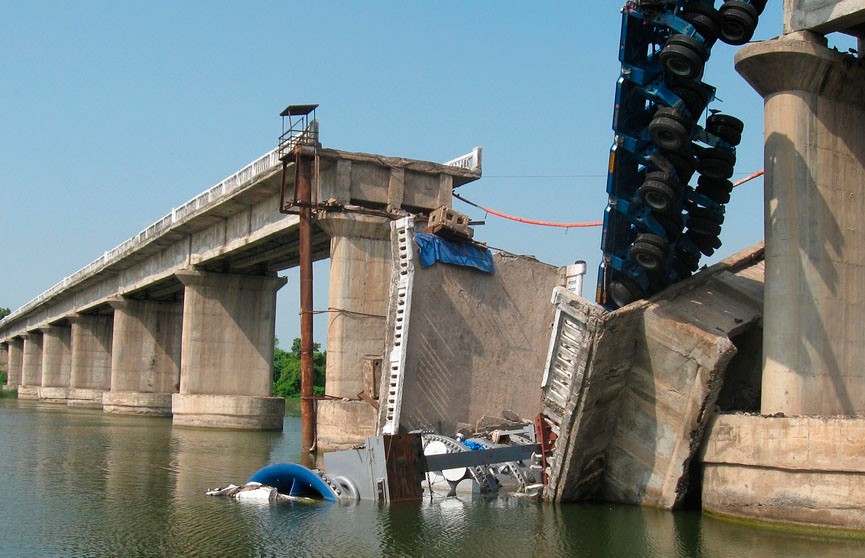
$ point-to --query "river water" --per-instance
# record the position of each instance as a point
(77, 482)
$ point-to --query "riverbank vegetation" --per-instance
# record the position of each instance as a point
(286, 370)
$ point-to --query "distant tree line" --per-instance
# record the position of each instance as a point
(286, 370)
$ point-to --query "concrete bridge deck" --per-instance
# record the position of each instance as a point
(234, 227)
(187, 306)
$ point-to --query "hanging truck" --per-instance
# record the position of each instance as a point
(656, 225)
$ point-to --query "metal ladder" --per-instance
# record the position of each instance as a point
(402, 234)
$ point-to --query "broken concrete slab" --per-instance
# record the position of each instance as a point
(473, 342)
(649, 375)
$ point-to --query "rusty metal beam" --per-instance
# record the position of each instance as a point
(303, 187)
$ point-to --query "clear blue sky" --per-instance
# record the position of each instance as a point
(115, 112)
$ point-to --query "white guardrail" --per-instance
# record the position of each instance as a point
(471, 161)
(179, 215)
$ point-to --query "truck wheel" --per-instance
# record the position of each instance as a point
(708, 214)
(716, 163)
(682, 163)
(668, 134)
(707, 244)
(686, 260)
(693, 95)
(714, 193)
(672, 224)
(683, 57)
(704, 226)
(739, 20)
(726, 133)
(659, 191)
(657, 196)
(650, 251)
(726, 120)
(705, 19)
(624, 291)
(728, 128)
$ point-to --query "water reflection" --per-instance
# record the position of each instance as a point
(76, 482)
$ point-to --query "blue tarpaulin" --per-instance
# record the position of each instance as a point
(433, 248)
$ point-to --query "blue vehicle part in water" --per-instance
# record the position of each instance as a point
(294, 480)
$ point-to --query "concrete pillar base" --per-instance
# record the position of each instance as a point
(28, 392)
(53, 394)
(235, 412)
(343, 424)
(135, 403)
(86, 398)
(793, 470)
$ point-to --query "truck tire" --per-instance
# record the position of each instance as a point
(739, 20)
(659, 191)
(650, 252)
(624, 291)
(668, 134)
(716, 163)
(706, 213)
(683, 57)
(705, 19)
(704, 226)
(693, 95)
(714, 193)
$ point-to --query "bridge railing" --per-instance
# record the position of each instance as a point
(470, 161)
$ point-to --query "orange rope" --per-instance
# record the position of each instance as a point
(530, 221)
(749, 177)
(571, 225)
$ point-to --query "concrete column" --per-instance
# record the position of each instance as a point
(227, 352)
(4, 360)
(145, 357)
(16, 356)
(56, 363)
(360, 277)
(814, 342)
(360, 267)
(90, 376)
(31, 367)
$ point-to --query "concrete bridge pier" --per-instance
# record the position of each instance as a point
(145, 357)
(815, 157)
(90, 375)
(56, 363)
(4, 361)
(31, 367)
(800, 461)
(13, 365)
(226, 370)
(815, 200)
(360, 275)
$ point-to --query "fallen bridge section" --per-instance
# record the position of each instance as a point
(630, 392)
(463, 345)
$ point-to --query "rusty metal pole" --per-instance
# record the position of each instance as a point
(303, 193)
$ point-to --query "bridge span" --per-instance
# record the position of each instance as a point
(179, 319)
